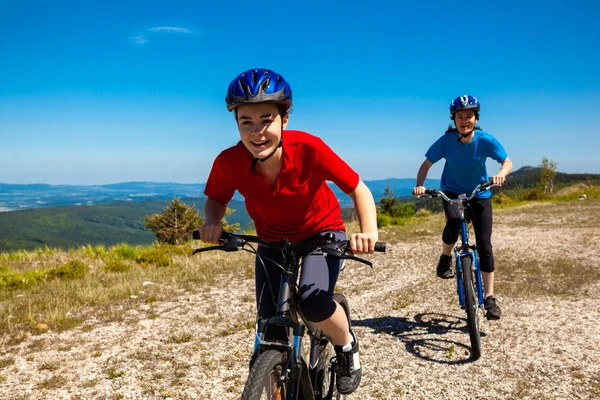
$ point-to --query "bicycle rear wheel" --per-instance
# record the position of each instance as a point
(326, 353)
(264, 381)
(471, 307)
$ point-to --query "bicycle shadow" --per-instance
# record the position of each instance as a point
(419, 338)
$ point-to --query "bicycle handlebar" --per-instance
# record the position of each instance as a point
(329, 246)
(483, 186)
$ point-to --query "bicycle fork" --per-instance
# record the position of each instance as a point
(459, 277)
(459, 256)
(294, 368)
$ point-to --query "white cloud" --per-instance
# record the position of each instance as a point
(142, 38)
(172, 29)
(139, 39)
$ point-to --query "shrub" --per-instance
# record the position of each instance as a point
(423, 212)
(14, 280)
(155, 255)
(71, 270)
(404, 210)
(533, 194)
(383, 220)
(116, 265)
(94, 251)
(123, 252)
(501, 198)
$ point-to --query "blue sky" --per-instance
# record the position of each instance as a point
(100, 91)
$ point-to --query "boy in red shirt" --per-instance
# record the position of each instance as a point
(283, 176)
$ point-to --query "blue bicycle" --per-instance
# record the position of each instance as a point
(468, 273)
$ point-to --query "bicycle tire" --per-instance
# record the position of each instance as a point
(264, 378)
(325, 354)
(471, 307)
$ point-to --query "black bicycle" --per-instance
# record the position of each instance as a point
(280, 369)
(469, 285)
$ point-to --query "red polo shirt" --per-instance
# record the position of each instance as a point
(301, 204)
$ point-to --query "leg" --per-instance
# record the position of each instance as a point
(449, 237)
(317, 282)
(488, 283)
(447, 249)
(336, 327)
(482, 223)
(267, 278)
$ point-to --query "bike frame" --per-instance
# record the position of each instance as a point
(297, 372)
(466, 250)
(287, 317)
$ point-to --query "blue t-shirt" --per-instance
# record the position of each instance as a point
(465, 163)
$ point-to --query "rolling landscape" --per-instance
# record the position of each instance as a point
(67, 216)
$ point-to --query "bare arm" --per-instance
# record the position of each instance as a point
(421, 176)
(365, 209)
(500, 177)
(211, 231)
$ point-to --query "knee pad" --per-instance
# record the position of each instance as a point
(317, 307)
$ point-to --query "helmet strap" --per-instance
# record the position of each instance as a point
(461, 136)
(256, 159)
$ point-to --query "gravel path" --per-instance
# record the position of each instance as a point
(414, 343)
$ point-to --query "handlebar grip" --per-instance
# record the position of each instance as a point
(380, 247)
(431, 192)
(196, 235)
(225, 236)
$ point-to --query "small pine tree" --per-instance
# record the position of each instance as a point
(548, 174)
(176, 224)
(226, 227)
(388, 202)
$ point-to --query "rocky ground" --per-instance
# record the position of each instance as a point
(412, 332)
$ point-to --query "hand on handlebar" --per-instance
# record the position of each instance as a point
(498, 180)
(419, 190)
(363, 242)
(210, 233)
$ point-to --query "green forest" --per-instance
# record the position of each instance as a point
(106, 224)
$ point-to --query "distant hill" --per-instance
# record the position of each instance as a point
(401, 187)
(66, 216)
(22, 197)
(530, 176)
(73, 226)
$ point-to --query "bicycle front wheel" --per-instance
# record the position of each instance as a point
(471, 307)
(264, 381)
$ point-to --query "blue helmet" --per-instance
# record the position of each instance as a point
(258, 86)
(464, 102)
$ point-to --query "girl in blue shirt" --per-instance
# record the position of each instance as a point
(466, 148)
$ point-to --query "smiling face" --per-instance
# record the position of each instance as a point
(260, 127)
(465, 121)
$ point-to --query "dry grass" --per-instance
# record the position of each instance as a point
(58, 303)
(562, 277)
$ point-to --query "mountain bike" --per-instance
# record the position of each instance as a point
(468, 273)
(280, 368)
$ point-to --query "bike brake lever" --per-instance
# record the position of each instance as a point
(207, 249)
(354, 258)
